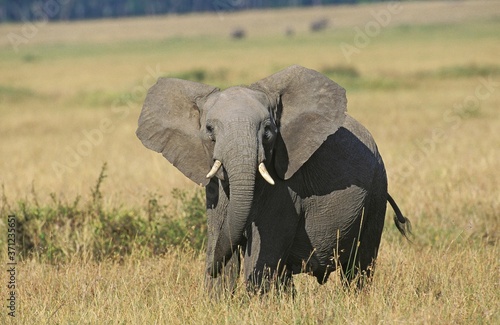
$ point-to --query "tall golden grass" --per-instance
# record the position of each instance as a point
(428, 92)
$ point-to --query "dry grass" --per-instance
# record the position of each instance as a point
(170, 290)
(415, 91)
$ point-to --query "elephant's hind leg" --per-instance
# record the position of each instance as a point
(361, 265)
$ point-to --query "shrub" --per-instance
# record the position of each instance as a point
(238, 33)
(461, 71)
(62, 230)
(198, 75)
(340, 71)
(319, 24)
(201, 75)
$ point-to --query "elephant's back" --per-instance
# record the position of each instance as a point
(361, 133)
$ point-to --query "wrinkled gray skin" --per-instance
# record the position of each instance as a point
(328, 203)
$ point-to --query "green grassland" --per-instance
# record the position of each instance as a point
(112, 234)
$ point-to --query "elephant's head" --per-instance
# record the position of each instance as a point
(277, 122)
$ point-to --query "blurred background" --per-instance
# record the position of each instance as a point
(79, 9)
(103, 221)
(421, 75)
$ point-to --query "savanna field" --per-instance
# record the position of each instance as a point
(109, 232)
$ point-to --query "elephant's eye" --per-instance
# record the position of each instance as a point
(210, 132)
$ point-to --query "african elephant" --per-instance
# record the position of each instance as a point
(319, 197)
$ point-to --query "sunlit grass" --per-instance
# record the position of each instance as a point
(74, 105)
(170, 289)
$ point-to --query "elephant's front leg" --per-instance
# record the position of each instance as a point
(225, 282)
(265, 263)
(269, 238)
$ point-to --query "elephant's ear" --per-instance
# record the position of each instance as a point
(308, 108)
(170, 124)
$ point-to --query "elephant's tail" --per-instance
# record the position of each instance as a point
(401, 222)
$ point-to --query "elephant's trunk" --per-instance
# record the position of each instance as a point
(241, 165)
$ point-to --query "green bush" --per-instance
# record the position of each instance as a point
(62, 230)
(340, 71)
(461, 71)
(198, 75)
(202, 75)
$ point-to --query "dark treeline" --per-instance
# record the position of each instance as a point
(22, 10)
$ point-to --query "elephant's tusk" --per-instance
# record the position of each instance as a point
(265, 174)
(215, 168)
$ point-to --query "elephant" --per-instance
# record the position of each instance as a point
(293, 183)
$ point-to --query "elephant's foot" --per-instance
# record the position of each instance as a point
(263, 282)
(322, 275)
(224, 285)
